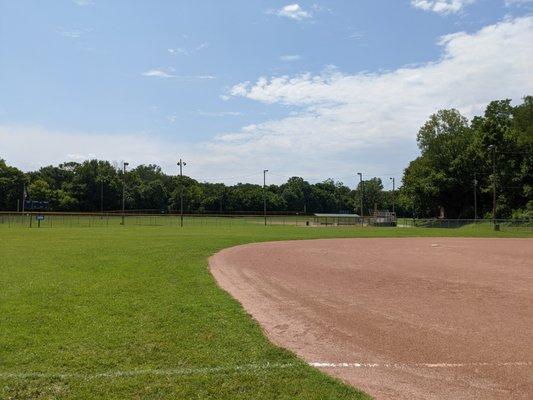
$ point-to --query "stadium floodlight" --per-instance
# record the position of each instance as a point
(181, 164)
(264, 196)
(393, 192)
(124, 165)
(362, 192)
(475, 195)
(493, 148)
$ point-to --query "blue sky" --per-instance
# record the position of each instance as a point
(317, 89)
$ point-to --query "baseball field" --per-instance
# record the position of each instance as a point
(134, 312)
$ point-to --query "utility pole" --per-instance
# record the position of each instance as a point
(124, 165)
(475, 196)
(362, 192)
(181, 164)
(102, 197)
(493, 185)
(413, 211)
(264, 196)
(23, 197)
(393, 193)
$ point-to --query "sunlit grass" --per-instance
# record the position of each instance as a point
(82, 302)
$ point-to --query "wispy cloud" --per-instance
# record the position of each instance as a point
(169, 73)
(84, 2)
(202, 46)
(218, 114)
(292, 11)
(290, 57)
(71, 33)
(355, 35)
(178, 51)
(517, 2)
(188, 50)
(159, 73)
(441, 6)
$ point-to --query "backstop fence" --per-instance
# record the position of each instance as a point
(51, 220)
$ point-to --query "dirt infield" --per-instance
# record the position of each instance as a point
(413, 318)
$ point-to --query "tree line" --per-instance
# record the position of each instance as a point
(460, 161)
(97, 185)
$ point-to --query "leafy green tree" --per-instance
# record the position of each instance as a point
(373, 196)
(11, 186)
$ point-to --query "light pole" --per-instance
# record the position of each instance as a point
(181, 164)
(493, 147)
(23, 197)
(124, 165)
(102, 197)
(475, 196)
(264, 195)
(393, 193)
(361, 188)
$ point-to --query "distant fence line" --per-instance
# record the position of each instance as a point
(50, 220)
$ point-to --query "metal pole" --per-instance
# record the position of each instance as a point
(23, 197)
(475, 196)
(264, 196)
(181, 164)
(393, 193)
(362, 192)
(102, 197)
(125, 164)
(413, 211)
(494, 185)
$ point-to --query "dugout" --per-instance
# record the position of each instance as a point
(337, 219)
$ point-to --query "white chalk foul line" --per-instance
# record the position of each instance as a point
(419, 365)
(144, 372)
(241, 369)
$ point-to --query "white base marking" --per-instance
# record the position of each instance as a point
(425, 365)
(242, 369)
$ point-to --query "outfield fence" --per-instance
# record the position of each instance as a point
(51, 220)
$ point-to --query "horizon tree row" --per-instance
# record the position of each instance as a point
(96, 185)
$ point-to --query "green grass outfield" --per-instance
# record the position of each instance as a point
(133, 313)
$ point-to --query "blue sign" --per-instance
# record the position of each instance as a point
(39, 217)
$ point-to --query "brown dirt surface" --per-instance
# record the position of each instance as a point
(401, 318)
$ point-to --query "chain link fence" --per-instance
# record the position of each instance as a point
(51, 220)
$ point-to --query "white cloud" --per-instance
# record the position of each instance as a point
(441, 6)
(342, 114)
(355, 35)
(169, 73)
(178, 51)
(188, 51)
(290, 57)
(293, 11)
(53, 147)
(84, 2)
(201, 46)
(159, 73)
(71, 33)
(218, 114)
(517, 2)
